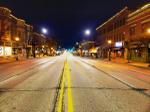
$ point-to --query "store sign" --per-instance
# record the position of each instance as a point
(1, 51)
(7, 51)
(118, 44)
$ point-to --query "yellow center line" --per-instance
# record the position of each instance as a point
(69, 92)
(66, 75)
(60, 101)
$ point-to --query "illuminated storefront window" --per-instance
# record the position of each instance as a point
(8, 51)
(118, 44)
(5, 51)
(1, 51)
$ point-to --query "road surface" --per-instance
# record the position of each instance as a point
(73, 84)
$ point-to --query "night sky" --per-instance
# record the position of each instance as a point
(66, 20)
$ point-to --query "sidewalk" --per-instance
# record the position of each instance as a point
(4, 60)
(132, 63)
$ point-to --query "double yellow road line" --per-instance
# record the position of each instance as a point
(65, 80)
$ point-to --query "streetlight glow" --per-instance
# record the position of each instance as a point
(44, 31)
(17, 39)
(148, 30)
(109, 42)
(87, 32)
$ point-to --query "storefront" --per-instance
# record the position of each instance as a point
(94, 52)
(5, 49)
(139, 51)
(118, 50)
(29, 51)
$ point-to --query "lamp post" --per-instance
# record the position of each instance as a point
(44, 31)
(109, 52)
(17, 39)
(148, 31)
(87, 32)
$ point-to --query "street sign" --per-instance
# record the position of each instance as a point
(118, 44)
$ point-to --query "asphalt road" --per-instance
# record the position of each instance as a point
(72, 84)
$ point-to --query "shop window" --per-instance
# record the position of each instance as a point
(138, 52)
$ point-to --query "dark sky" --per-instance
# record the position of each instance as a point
(67, 19)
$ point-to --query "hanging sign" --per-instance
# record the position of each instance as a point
(118, 44)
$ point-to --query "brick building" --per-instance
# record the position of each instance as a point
(29, 39)
(43, 45)
(129, 33)
(5, 32)
(10, 28)
(138, 36)
(114, 30)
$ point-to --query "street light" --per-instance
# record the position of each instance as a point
(148, 31)
(77, 43)
(43, 46)
(44, 30)
(17, 39)
(87, 32)
(109, 43)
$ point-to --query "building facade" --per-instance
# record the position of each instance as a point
(10, 29)
(5, 32)
(138, 34)
(29, 39)
(85, 47)
(43, 46)
(113, 31)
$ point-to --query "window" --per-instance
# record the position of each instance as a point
(110, 28)
(132, 31)
(124, 21)
(0, 25)
(143, 27)
(104, 31)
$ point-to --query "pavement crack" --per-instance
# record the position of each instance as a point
(29, 90)
(57, 92)
(105, 88)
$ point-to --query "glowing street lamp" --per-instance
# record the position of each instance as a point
(148, 30)
(77, 43)
(87, 32)
(17, 39)
(109, 43)
(44, 30)
(43, 46)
